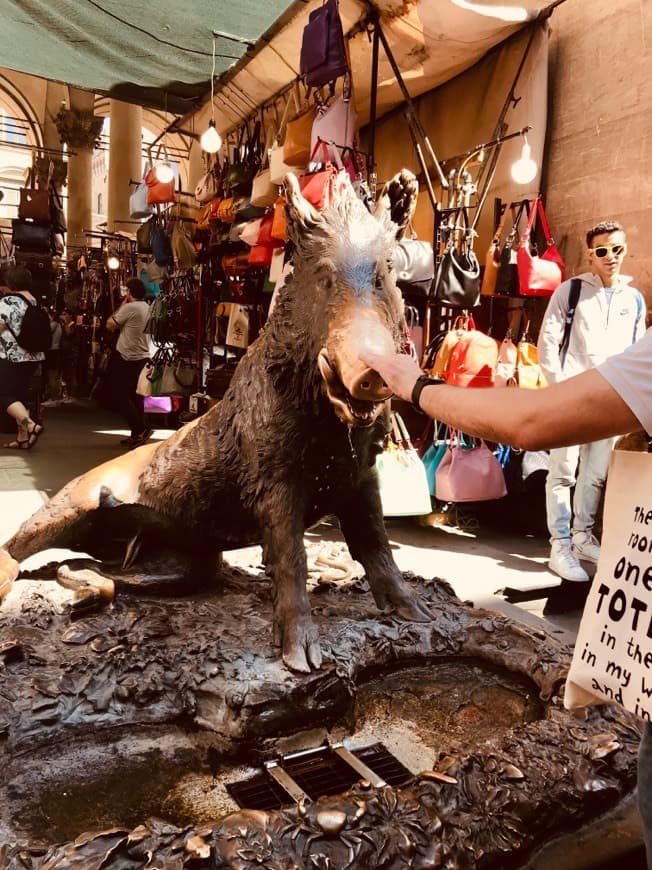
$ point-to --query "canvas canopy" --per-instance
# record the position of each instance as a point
(160, 54)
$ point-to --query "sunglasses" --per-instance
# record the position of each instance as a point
(602, 250)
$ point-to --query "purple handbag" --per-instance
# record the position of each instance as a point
(323, 54)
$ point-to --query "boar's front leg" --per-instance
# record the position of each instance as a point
(361, 521)
(285, 558)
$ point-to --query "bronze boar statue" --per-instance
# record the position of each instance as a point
(293, 440)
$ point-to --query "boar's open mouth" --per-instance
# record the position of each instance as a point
(352, 411)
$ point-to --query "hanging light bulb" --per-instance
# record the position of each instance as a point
(113, 262)
(211, 141)
(164, 172)
(524, 170)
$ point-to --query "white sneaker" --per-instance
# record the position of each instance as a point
(586, 546)
(564, 562)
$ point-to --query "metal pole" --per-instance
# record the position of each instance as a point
(373, 99)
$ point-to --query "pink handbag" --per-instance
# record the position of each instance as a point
(538, 276)
(335, 125)
(469, 474)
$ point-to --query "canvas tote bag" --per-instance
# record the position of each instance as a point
(613, 650)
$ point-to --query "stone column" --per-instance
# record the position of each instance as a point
(80, 174)
(125, 162)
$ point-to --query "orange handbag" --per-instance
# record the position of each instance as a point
(226, 209)
(159, 192)
(492, 260)
(279, 221)
(296, 146)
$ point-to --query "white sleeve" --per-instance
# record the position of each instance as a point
(552, 332)
(629, 374)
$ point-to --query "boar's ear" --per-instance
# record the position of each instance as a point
(398, 200)
(302, 217)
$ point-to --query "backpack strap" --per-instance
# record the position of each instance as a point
(573, 298)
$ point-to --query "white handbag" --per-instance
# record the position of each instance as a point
(138, 205)
(402, 479)
(207, 187)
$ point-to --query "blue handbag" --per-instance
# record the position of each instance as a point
(434, 455)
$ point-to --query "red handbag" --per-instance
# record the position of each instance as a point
(261, 255)
(539, 276)
(322, 187)
(265, 236)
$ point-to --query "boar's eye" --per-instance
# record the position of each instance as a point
(379, 284)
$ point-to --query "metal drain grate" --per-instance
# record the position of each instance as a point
(316, 773)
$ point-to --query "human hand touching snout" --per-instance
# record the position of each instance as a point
(398, 370)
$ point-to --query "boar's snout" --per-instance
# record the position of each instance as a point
(368, 386)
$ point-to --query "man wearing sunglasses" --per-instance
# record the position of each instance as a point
(609, 315)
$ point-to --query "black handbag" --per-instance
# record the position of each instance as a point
(57, 214)
(414, 264)
(457, 284)
(31, 236)
(507, 283)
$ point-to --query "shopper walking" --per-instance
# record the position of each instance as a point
(131, 353)
(17, 365)
(605, 317)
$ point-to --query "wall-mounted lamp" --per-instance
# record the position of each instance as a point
(211, 141)
(524, 170)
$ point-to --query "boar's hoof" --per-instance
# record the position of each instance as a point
(9, 570)
(91, 589)
(410, 608)
(299, 640)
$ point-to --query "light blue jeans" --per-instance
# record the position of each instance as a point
(593, 462)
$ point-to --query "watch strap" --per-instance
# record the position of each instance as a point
(421, 382)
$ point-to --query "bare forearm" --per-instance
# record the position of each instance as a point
(581, 409)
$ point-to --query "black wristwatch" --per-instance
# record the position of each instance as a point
(421, 382)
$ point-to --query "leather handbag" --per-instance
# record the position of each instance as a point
(402, 480)
(492, 259)
(138, 205)
(248, 232)
(245, 163)
(183, 250)
(320, 188)
(34, 203)
(469, 474)
(278, 168)
(144, 236)
(457, 282)
(507, 356)
(28, 235)
(158, 192)
(335, 124)
(323, 52)
(538, 275)
(225, 209)
(434, 454)
(57, 213)
(473, 360)
(414, 264)
(279, 222)
(507, 283)
(296, 146)
(261, 256)
(209, 185)
(527, 373)
(265, 236)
